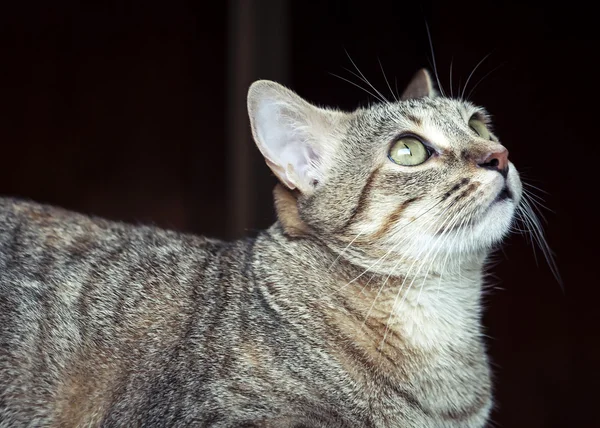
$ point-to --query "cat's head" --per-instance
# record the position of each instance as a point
(420, 174)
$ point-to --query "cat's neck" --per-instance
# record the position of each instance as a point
(428, 303)
(427, 307)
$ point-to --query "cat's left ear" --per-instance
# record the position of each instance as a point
(294, 136)
(421, 86)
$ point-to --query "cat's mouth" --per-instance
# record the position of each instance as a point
(504, 194)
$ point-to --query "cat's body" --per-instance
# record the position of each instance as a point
(129, 326)
(105, 324)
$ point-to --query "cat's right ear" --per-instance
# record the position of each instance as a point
(294, 136)
(420, 86)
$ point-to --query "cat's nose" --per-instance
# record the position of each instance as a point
(496, 160)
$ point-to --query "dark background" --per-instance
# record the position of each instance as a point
(135, 111)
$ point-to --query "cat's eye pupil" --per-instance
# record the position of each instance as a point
(405, 151)
(408, 151)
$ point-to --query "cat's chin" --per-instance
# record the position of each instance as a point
(494, 224)
(480, 235)
(484, 231)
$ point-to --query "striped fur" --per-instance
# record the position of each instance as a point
(359, 307)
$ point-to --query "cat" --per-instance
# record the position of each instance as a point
(359, 307)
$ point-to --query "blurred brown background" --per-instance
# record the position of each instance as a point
(135, 111)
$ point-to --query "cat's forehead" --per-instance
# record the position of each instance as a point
(438, 110)
(438, 118)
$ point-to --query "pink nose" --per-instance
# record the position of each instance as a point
(496, 160)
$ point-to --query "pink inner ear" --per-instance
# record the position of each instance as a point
(291, 134)
(285, 140)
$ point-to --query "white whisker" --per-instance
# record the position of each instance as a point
(358, 86)
(437, 77)
(538, 235)
(391, 250)
(365, 79)
(387, 278)
(451, 91)
(393, 311)
(346, 248)
(386, 80)
(534, 187)
(472, 91)
(471, 75)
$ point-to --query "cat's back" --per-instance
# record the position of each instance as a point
(83, 301)
(38, 239)
(51, 253)
(28, 228)
(35, 239)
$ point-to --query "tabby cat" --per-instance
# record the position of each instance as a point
(359, 307)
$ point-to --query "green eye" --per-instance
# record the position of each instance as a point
(409, 151)
(480, 129)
